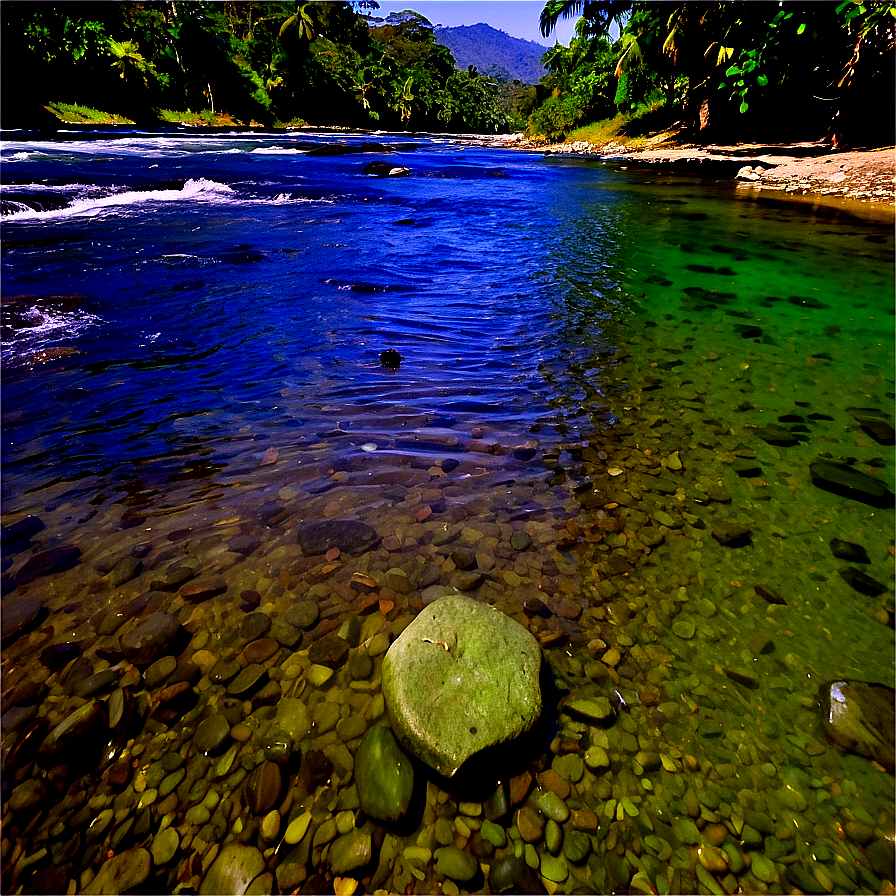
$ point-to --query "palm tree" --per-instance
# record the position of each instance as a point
(598, 14)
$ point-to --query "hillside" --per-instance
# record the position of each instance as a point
(493, 52)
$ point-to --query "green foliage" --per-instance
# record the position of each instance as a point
(73, 114)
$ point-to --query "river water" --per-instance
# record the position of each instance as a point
(609, 389)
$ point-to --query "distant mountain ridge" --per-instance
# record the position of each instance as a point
(493, 52)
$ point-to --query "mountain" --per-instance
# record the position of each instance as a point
(493, 52)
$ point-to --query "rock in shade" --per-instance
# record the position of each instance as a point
(776, 435)
(264, 788)
(303, 614)
(512, 875)
(858, 716)
(122, 872)
(330, 651)
(455, 863)
(731, 534)
(880, 430)
(851, 553)
(351, 851)
(861, 582)
(384, 776)
(47, 562)
(17, 536)
(350, 536)
(770, 595)
(843, 480)
(460, 678)
(150, 639)
(77, 737)
(19, 616)
(235, 867)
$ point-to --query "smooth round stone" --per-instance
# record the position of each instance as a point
(493, 833)
(461, 677)
(350, 728)
(211, 733)
(570, 767)
(530, 824)
(792, 799)
(234, 868)
(122, 872)
(519, 541)
(303, 614)
(270, 825)
(264, 788)
(384, 776)
(149, 639)
(712, 859)
(159, 671)
(553, 869)
(29, 793)
(360, 665)
(553, 807)
(76, 737)
(251, 677)
(97, 683)
(764, 869)
(590, 709)
(576, 846)
(512, 875)
(164, 846)
(260, 651)
(297, 829)
(330, 651)
(553, 836)
(455, 863)
(351, 851)
(596, 758)
(171, 781)
(686, 832)
(434, 592)
(684, 627)
(715, 834)
(254, 626)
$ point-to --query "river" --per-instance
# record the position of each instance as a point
(647, 416)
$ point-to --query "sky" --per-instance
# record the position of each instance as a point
(519, 18)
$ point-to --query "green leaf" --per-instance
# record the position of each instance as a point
(743, 107)
(843, 6)
(762, 81)
(801, 29)
(734, 70)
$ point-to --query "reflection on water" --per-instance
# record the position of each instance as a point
(611, 393)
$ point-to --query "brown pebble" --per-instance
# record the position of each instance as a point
(332, 554)
(550, 780)
(519, 787)
(391, 543)
(175, 690)
(261, 650)
(584, 820)
(423, 513)
(716, 834)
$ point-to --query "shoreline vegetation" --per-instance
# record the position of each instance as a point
(808, 169)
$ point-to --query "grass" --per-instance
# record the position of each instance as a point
(71, 113)
(647, 127)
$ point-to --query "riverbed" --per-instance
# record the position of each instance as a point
(616, 405)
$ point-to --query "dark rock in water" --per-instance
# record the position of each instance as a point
(847, 482)
(747, 469)
(731, 534)
(303, 614)
(770, 595)
(125, 569)
(149, 640)
(203, 589)
(173, 577)
(748, 332)
(57, 655)
(879, 430)
(391, 359)
(17, 536)
(47, 562)
(846, 550)
(860, 582)
(350, 536)
(513, 875)
(97, 683)
(806, 302)
(20, 616)
(742, 679)
(330, 651)
(264, 788)
(385, 169)
(777, 435)
(77, 739)
(858, 717)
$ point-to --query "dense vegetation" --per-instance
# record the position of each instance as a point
(727, 71)
(259, 62)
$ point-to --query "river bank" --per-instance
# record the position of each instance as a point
(867, 176)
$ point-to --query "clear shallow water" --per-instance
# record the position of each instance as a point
(191, 339)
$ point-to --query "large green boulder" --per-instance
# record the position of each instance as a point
(384, 776)
(461, 677)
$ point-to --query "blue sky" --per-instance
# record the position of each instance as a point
(519, 18)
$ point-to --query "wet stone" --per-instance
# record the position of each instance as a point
(303, 614)
(519, 541)
(384, 776)
(861, 582)
(224, 671)
(121, 872)
(590, 709)
(234, 868)
(251, 678)
(47, 563)
(173, 578)
(330, 651)
(846, 550)
(149, 639)
(78, 736)
(203, 589)
(770, 595)
(841, 479)
(455, 863)
(19, 616)
(211, 733)
(731, 534)
(264, 788)
(254, 626)
(350, 852)
(159, 671)
(650, 537)
(261, 650)
(530, 824)
(56, 655)
(98, 683)
(858, 716)
(164, 846)
(350, 536)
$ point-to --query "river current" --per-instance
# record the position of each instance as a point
(647, 416)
